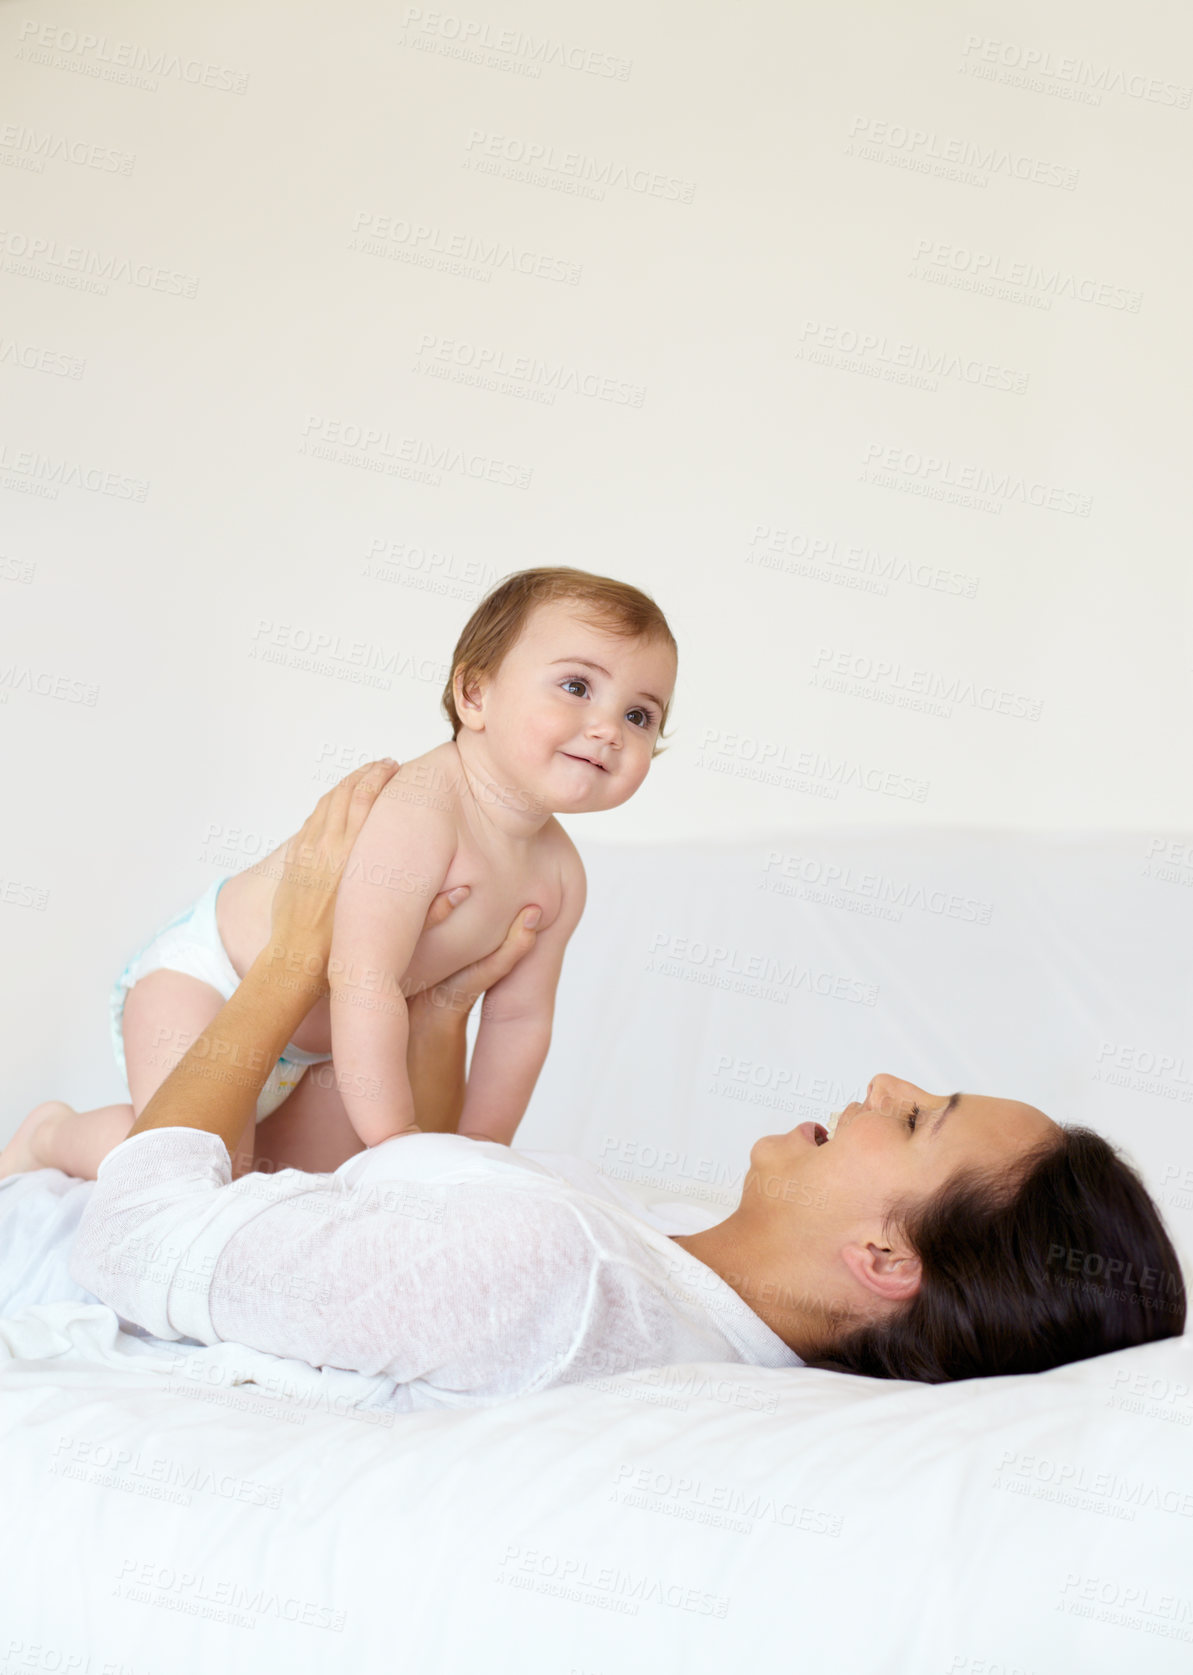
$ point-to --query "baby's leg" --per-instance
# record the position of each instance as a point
(56, 1136)
(310, 1130)
(163, 1014)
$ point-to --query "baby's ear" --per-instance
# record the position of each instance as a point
(469, 692)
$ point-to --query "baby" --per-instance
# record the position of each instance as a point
(559, 688)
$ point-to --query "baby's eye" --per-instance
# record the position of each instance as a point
(646, 717)
(575, 680)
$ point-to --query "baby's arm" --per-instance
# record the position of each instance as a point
(515, 1026)
(398, 862)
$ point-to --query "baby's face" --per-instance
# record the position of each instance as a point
(572, 714)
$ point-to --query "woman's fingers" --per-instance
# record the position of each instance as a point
(462, 990)
(328, 833)
(314, 860)
(355, 795)
(444, 904)
(518, 941)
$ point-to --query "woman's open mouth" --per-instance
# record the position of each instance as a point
(814, 1131)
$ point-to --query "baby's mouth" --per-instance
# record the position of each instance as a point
(600, 766)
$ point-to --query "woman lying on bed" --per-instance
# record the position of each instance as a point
(931, 1238)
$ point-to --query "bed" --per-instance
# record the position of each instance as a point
(218, 1508)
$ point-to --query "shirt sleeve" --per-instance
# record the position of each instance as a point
(476, 1286)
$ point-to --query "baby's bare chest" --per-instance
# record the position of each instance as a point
(497, 890)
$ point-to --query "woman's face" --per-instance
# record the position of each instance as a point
(899, 1139)
(809, 1247)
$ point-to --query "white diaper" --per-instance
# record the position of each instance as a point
(191, 944)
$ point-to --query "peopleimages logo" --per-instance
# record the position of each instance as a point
(1170, 860)
(82, 269)
(37, 359)
(936, 474)
(799, 553)
(31, 148)
(774, 762)
(971, 161)
(574, 167)
(519, 374)
(986, 270)
(474, 256)
(121, 61)
(875, 355)
(43, 471)
(889, 681)
(1142, 1070)
(869, 893)
(763, 976)
(526, 54)
(376, 448)
(1035, 67)
(428, 570)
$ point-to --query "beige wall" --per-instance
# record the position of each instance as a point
(857, 335)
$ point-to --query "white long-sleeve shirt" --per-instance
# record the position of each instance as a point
(466, 1272)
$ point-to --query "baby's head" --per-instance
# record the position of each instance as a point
(568, 678)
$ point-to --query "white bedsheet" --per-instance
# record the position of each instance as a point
(173, 1519)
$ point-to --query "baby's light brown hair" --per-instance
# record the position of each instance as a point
(502, 614)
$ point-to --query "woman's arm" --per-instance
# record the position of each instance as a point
(168, 1237)
(439, 1025)
(215, 1085)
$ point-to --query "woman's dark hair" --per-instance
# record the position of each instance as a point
(1074, 1261)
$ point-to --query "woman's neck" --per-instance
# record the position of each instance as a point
(782, 1287)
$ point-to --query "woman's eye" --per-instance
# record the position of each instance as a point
(913, 1117)
(574, 680)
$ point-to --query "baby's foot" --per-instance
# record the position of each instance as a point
(26, 1148)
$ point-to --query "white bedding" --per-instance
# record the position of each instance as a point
(785, 1520)
(688, 1519)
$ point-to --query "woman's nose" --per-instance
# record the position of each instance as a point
(885, 1093)
(880, 1092)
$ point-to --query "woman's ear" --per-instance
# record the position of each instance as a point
(892, 1274)
(469, 693)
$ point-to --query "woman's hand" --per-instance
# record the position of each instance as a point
(214, 1086)
(437, 1046)
(460, 992)
(301, 926)
(313, 862)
